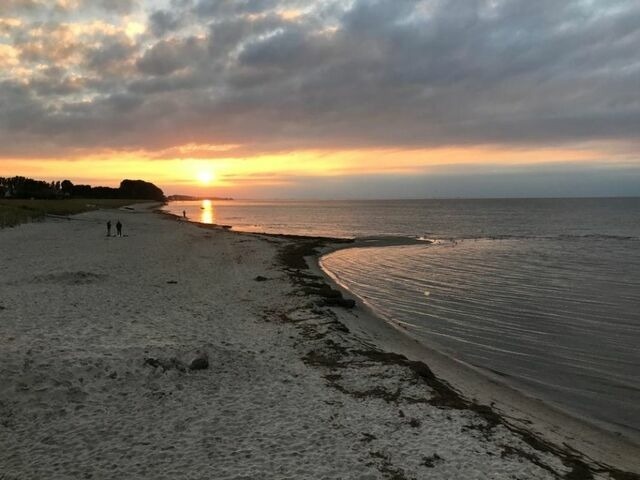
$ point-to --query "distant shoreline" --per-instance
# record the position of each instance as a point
(188, 198)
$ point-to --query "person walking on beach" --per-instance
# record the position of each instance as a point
(108, 228)
(184, 213)
(119, 228)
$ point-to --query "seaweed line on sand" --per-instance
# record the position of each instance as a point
(334, 356)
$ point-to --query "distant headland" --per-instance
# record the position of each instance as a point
(23, 187)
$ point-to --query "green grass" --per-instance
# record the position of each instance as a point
(14, 212)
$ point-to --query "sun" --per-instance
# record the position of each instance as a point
(205, 177)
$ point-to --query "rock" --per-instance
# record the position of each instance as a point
(260, 278)
(199, 362)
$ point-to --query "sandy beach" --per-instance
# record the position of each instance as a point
(97, 337)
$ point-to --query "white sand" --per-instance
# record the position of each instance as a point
(80, 312)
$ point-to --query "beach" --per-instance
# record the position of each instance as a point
(98, 334)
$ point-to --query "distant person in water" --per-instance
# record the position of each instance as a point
(108, 228)
(119, 228)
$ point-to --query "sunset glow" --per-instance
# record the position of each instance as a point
(317, 95)
(205, 177)
(230, 176)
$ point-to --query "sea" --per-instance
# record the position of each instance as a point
(544, 293)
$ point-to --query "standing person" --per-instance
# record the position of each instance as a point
(119, 228)
(108, 228)
(184, 213)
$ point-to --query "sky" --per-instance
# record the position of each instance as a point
(325, 98)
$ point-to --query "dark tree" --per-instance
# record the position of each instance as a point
(139, 189)
(22, 187)
(105, 192)
(66, 187)
(81, 191)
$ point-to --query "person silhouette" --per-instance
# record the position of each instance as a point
(119, 228)
(108, 228)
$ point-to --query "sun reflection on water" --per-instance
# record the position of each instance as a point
(206, 215)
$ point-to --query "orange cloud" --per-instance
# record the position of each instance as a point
(7, 24)
(8, 56)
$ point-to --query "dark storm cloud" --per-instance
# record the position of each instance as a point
(277, 75)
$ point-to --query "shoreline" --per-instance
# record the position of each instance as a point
(545, 423)
(450, 364)
(94, 330)
(545, 426)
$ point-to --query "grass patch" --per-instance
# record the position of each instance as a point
(14, 212)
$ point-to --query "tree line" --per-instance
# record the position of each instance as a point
(23, 187)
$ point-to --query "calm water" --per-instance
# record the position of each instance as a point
(544, 292)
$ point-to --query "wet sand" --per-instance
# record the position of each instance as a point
(96, 334)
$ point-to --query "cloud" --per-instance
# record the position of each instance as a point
(277, 75)
(168, 56)
(14, 6)
(66, 6)
(164, 21)
(121, 7)
(111, 56)
(216, 8)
